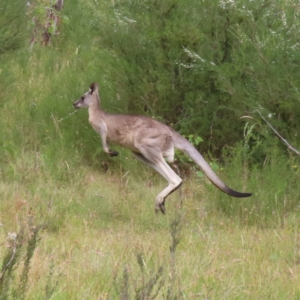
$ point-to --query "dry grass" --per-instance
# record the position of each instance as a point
(97, 225)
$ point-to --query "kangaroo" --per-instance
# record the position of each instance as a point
(149, 140)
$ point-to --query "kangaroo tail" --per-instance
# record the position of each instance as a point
(183, 145)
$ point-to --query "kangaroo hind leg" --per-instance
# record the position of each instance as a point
(155, 160)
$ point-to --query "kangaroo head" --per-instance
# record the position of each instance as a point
(91, 97)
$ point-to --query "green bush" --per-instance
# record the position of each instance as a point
(203, 65)
(13, 25)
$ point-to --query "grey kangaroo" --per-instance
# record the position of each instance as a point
(149, 140)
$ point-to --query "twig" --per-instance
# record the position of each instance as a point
(185, 117)
(283, 139)
(10, 261)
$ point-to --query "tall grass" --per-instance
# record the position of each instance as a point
(99, 229)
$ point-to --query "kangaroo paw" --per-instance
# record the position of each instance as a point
(113, 153)
(162, 208)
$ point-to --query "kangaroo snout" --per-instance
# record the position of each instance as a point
(81, 102)
(75, 104)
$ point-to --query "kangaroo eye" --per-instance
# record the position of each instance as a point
(82, 98)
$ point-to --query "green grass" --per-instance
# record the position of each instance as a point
(96, 224)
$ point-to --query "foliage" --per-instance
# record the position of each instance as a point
(205, 63)
(198, 74)
(13, 25)
(12, 284)
(153, 283)
(46, 18)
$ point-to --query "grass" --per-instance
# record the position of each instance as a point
(99, 225)
(96, 225)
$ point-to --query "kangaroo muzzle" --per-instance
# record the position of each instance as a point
(77, 104)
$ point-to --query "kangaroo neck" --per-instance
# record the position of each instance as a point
(95, 106)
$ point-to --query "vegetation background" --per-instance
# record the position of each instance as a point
(76, 224)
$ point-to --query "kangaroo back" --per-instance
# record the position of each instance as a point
(185, 146)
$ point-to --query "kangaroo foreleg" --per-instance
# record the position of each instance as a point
(106, 149)
(102, 130)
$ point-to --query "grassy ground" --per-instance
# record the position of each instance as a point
(102, 240)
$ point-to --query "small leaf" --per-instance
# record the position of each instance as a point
(198, 140)
(65, 19)
(199, 174)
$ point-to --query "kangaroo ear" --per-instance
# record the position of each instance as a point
(94, 87)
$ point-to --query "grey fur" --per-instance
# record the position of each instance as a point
(149, 140)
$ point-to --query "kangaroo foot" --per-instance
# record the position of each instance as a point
(160, 207)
